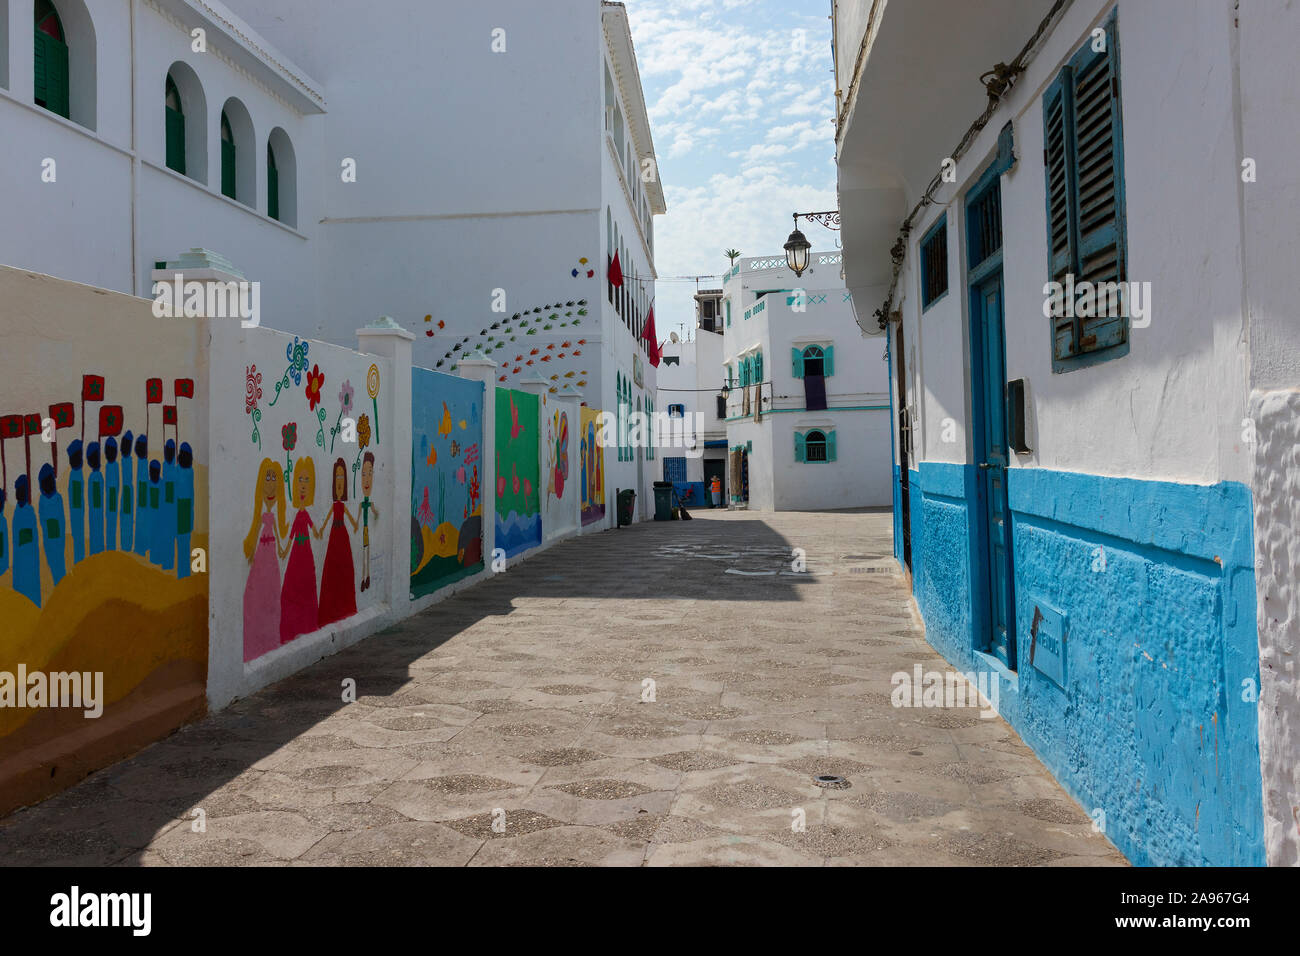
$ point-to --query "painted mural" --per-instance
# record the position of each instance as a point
(559, 467)
(103, 535)
(592, 470)
(308, 546)
(446, 480)
(518, 517)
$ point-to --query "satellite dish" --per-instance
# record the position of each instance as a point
(672, 337)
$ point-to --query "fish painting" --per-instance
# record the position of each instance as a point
(464, 425)
(455, 449)
(444, 428)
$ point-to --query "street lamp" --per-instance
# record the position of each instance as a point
(797, 247)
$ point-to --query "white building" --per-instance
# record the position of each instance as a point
(690, 387)
(807, 410)
(1096, 508)
(486, 175)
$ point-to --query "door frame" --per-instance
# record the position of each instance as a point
(979, 275)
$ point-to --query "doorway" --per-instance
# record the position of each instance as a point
(904, 451)
(994, 598)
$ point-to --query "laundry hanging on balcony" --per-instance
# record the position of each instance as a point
(615, 273)
(648, 333)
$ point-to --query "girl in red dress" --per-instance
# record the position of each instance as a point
(298, 595)
(338, 597)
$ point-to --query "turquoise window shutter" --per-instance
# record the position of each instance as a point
(799, 449)
(828, 361)
(796, 358)
(758, 368)
(830, 446)
(175, 140)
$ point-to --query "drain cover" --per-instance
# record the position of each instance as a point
(831, 782)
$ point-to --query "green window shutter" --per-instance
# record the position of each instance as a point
(1098, 193)
(51, 74)
(228, 169)
(175, 140)
(830, 446)
(728, 313)
(796, 358)
(273, 192)
(799, 452)
(758, 368)
(41, 70)
(828, 361)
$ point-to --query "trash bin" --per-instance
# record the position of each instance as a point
(626, 501)
(663, 501)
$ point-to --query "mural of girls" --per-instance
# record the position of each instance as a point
(141, 497)
(27, 557)
(366, 507)
(338, 597)
(128, 491)
(52, 525)
(95, 486)
(76, 501)
(112, 493)
(185, 508)
(263, 551)
(164, 527)
(298, 606)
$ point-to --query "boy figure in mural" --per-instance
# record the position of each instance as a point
(184, 508)
(153, 531)
(4, 537)
(76, 501)
(111, 493)
(27, 557)
(164, 528)
(52, 524)
(95, 487)
(142, 496)
(128, 491)
(366, 507)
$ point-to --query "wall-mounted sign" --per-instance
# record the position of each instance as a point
(638, 371)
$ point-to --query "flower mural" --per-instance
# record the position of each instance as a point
(363, 442)
(296, 354)
(315, 381)
(252, 395)
(372, 388)
(346, 394)
(289, 439)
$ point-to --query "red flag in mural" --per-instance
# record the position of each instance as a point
(92, 388)
(169, 415)
(615, 272)
(63, 416)
(32, 424)
(185, 388)
(153, 391)
(110, 421)
(11, 426)
(648, 333)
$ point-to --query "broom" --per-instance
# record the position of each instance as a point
(681, 508)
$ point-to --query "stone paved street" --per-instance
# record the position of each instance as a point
(524, 694)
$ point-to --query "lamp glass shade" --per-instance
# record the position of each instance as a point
(797, 248)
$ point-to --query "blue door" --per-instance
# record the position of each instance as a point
(992, 459)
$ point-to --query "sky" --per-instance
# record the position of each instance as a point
(741, 97)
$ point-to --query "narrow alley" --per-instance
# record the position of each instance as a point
(533, 721)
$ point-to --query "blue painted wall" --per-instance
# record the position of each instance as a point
(1156, 582)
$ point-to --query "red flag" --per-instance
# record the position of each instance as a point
(11, 426)
(615, 273)
(32, 423)
(110, 420)
(92, 388)
(648, 333)
(169, 414)
(153, 391)
(185, 388)
(63, 415)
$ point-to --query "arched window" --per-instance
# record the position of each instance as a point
(175, 122)
(272, 185)
(228, 157)
(814, 361)
(51, 65)
(817, 445)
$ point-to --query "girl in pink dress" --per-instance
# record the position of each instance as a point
(338, 596)
(298, 596)
(261, 548)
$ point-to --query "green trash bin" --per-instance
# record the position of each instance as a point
(626, 501)
(663, 501)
